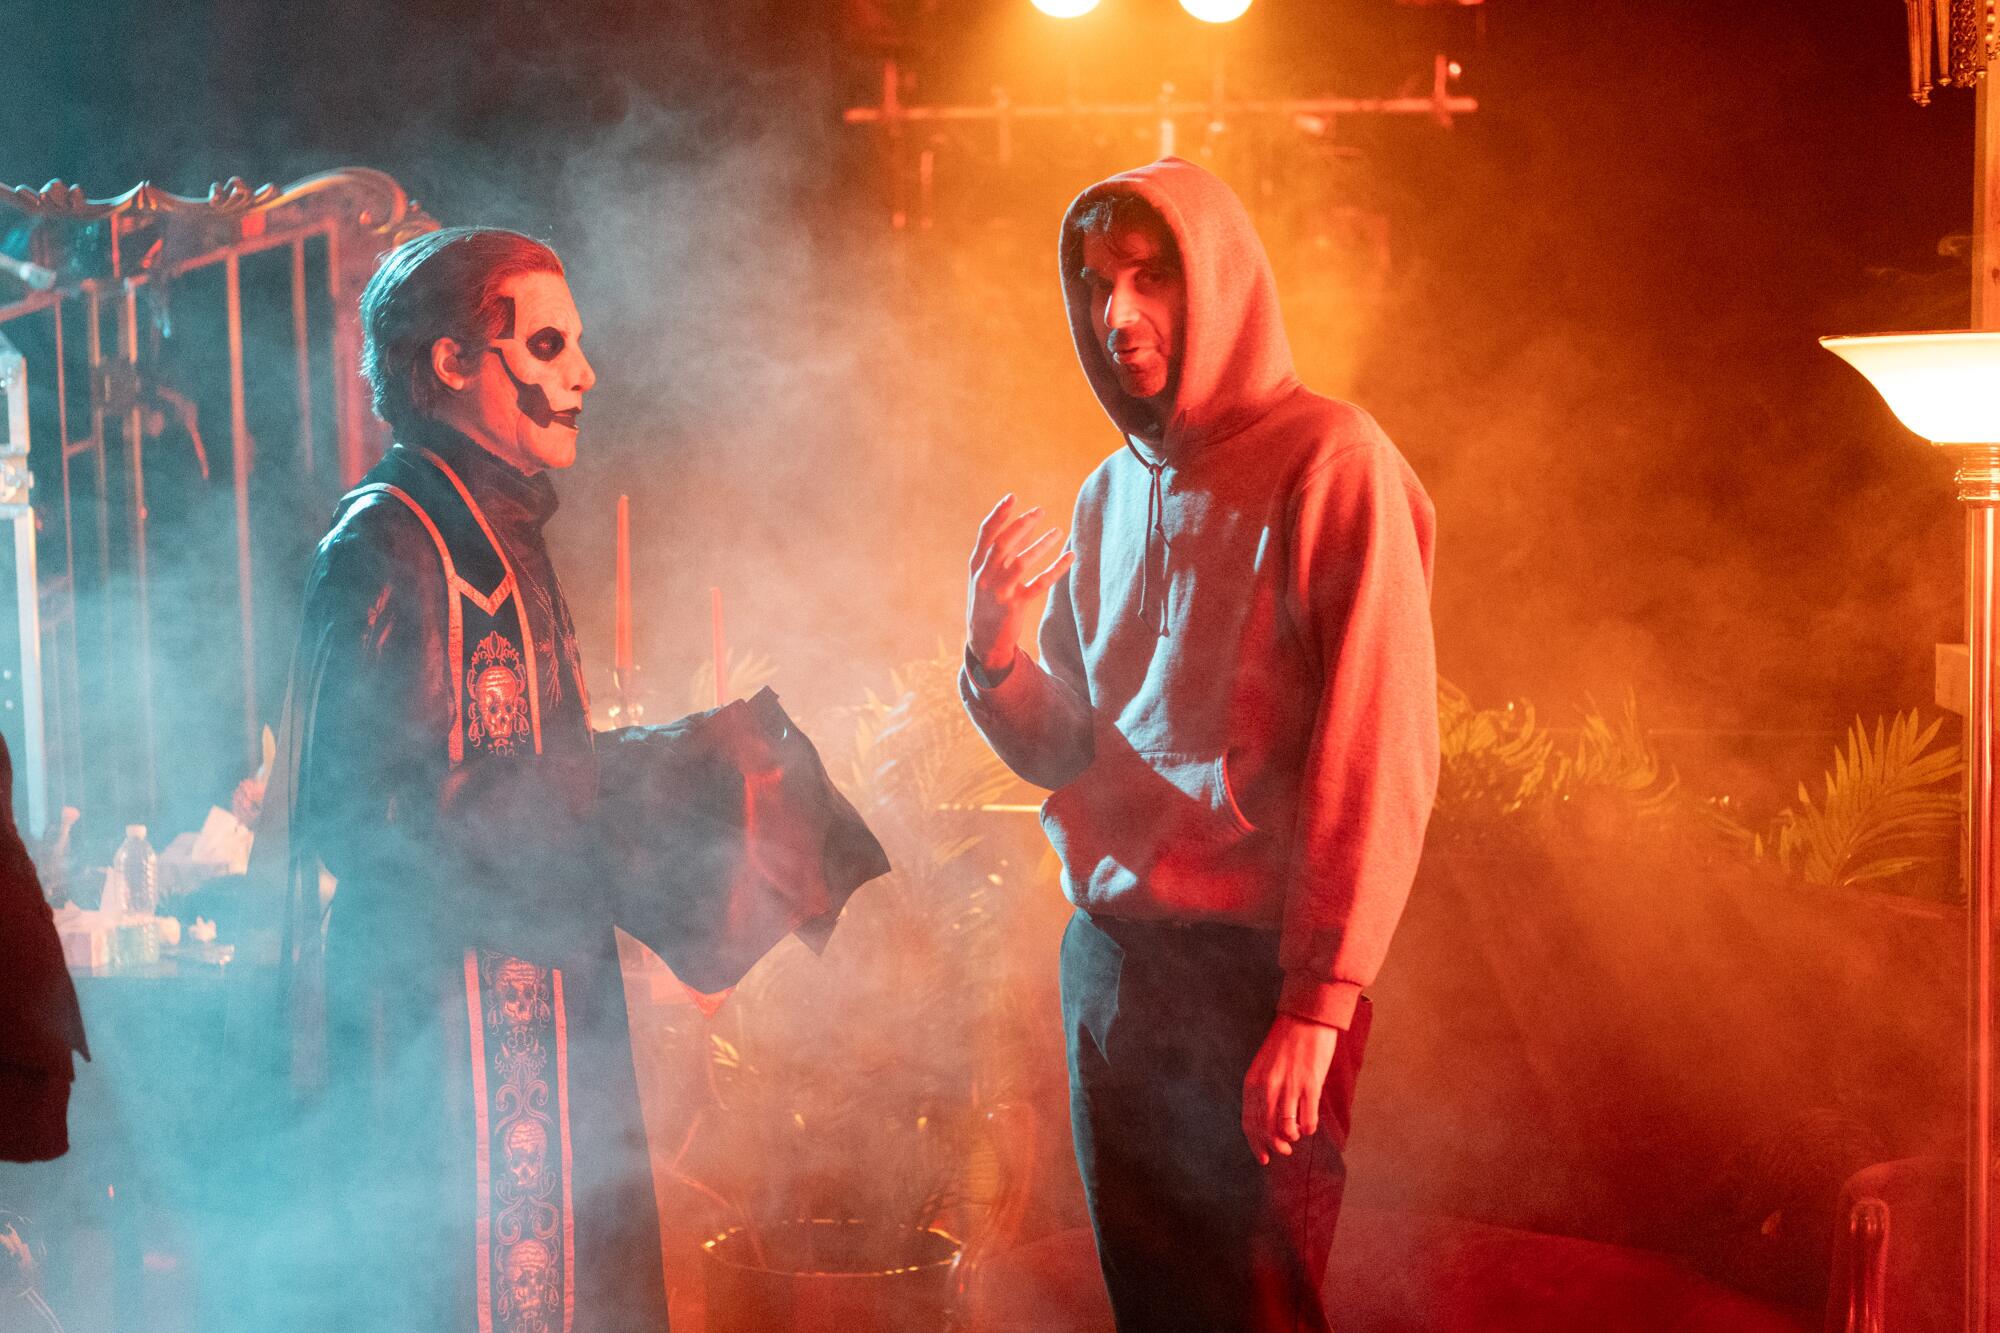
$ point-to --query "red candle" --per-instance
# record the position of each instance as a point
(621, 655)
(716, 642)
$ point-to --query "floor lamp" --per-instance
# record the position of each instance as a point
(1946, 388)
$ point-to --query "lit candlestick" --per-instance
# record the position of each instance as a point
(621, 655)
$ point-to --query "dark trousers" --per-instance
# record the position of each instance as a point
(1162, 1023)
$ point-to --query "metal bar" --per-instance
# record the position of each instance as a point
(38, 301)
(349, 413)
(240, 464)
(63, 451)
(60, 594)
(892, 116)
(253, 245)
(28, 305)
(1979, 489)
(1982, 839)
(1980, 546)
(135, 442)
(94, 329)
(16, 483)
(1312, 106)
(302, 357)
(33, 696)
(107, 614)
(340, 423)
(1986, 211)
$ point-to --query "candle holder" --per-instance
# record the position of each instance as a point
(1946, 388)
(628, 709)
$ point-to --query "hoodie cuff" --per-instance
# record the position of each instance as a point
(1316, 1001)
(984, 680)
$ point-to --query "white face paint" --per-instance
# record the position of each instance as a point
(523, 393)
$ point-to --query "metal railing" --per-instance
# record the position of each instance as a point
(91, 361)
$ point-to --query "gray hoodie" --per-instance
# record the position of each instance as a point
(1236, 706)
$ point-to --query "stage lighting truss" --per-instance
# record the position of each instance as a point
(1309, 115)
(916, 135)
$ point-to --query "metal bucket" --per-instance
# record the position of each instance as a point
(824, 1276)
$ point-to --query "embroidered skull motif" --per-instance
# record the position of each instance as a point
(498, 688)
(527, 1148)
(519, 983)
(528, 1296)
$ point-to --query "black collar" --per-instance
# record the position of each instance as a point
(509, 496)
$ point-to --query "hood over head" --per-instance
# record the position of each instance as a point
(1235, 362)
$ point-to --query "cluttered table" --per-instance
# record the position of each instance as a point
(153, 943)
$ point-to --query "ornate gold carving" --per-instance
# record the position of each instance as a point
(1952, 43)
(372, 199)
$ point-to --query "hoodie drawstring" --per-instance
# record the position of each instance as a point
(1156, 529)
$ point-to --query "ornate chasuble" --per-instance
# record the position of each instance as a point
(490, 649)
(524, 1232)
(524, 1223)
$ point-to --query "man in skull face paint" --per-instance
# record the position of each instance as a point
(442, 769)
(520, 395)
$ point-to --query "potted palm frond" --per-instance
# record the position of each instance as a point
(1510, 784)
(1639, 996)
(1890, 806)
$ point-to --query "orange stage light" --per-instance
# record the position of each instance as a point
(1065, 9)
(1214, 11)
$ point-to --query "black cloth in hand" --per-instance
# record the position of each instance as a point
(722, 834)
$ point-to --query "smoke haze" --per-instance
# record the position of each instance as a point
(1586, 313)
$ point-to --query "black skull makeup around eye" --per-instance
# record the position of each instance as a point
(546, 344)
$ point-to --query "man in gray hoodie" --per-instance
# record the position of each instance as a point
(1236, 713)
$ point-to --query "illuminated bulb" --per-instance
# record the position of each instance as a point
(1215, 11)
(1065, 9)
(1943, 386)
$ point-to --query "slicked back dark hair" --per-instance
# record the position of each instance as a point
(443, 284)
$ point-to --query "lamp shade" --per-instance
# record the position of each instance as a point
(1943, 386)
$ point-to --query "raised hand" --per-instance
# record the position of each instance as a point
(1000, 587)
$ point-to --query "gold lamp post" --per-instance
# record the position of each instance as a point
(1946, 388)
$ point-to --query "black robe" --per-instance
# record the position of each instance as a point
(475, 1123)
(457, 1017)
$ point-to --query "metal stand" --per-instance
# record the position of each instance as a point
(15, 509)
(630, 710)
(1979, 489)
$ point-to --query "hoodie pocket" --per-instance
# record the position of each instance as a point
(1229, 801)
(1144, 820)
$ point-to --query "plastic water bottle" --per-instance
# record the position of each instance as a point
(140, 869)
